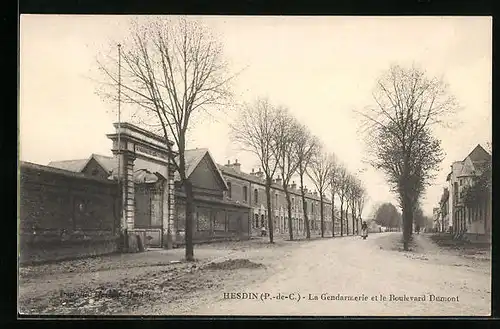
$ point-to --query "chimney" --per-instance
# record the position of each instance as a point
(237, 166)
(228, 163)
(294, 186)
(259, 173)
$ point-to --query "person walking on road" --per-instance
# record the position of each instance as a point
(364, 230)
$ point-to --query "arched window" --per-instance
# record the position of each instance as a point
(229, 190)
(256, 196)
(256, 220)
(276, 200)
(293, 203)
(245, 193)
(263, 221)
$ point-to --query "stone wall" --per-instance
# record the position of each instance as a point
(212, 222)
(66, 215)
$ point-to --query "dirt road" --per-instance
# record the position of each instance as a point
(328, 277)
(320, 277)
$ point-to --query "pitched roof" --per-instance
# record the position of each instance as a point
(257, 180)
(107, 162)
(193, 158)
(467, 169)
(479, 154)
(69, 165)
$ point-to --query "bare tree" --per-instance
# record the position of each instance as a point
(333, 185)
(343, 183)
(399, 138)
(319, 172)
(288, 133)
(354, 193)
(256, 130)
(349, 195)
(172, 69)
(360, 203)
(306, 146)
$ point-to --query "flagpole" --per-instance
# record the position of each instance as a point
(119, 110)
(120, 182)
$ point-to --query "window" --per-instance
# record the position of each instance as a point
(245, 192)
(256, 220)
(256, 196)
(262, 221)
(293, 203)
(229, 191)
(276, 200)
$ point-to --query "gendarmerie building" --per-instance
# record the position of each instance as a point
(249, 189)
(228, 202)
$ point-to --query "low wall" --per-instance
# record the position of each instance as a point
(213, 222)
(65, 215)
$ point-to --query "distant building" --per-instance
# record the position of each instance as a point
(249, 188)
(444, 210)
(437, 220)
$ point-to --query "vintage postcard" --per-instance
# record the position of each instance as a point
(255, 165)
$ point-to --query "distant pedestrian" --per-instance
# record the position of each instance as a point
(364, 230)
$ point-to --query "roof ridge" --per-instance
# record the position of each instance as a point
(71, 160)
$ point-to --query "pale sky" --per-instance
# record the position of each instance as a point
(321, 68)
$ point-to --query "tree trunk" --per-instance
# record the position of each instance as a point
(270, 220)
(289, 210)
(304, 208)
(407, 222)
(188, 235)
(333, 215)
(188, 189)
(321, 216)
(353, 214)
(341, 217)
(347, 218)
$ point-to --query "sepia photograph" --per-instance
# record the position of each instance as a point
(210, 165)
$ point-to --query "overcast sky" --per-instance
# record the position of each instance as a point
(321, 68)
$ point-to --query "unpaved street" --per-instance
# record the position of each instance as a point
(315, 277)
(350, 266)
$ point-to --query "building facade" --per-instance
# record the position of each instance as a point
(228, 202)
(249, 189)
(153, 199)
(468, 221)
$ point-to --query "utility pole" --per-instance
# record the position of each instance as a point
(120, 182)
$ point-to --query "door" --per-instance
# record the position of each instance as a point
(142, 206)
(152, 235)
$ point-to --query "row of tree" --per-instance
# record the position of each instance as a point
(287, 148)
(172, 69)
